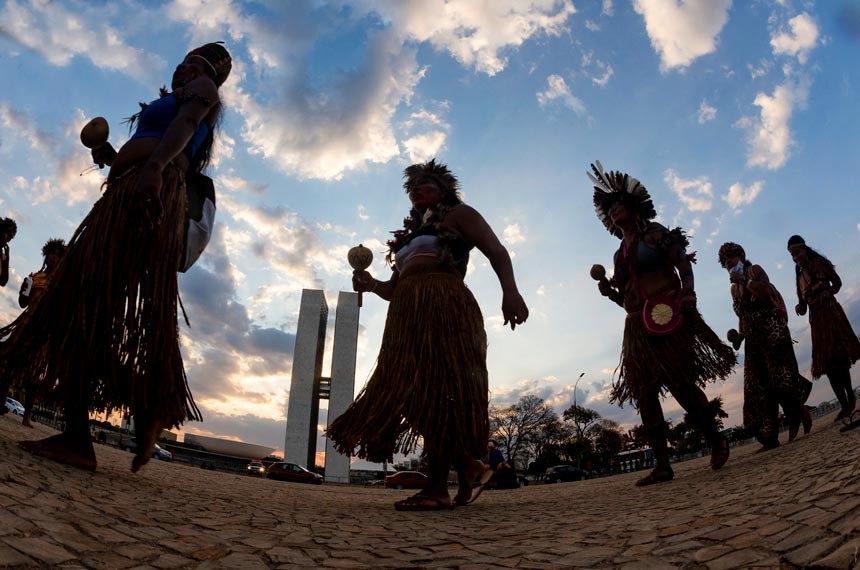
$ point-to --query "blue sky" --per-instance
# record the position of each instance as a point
(739, 117)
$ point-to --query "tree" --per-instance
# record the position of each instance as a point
(581, 419)
(518, 427)
(608, 441)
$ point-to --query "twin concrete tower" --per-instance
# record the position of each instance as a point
(308, 387)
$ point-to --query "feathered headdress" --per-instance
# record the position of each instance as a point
(618, 188)
(437, 173)
(54, 244)
(8, 224)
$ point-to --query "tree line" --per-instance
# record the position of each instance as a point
(533, 437)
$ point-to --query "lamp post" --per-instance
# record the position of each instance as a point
(576, 410)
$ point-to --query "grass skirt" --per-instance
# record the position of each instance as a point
(693, 354)
(431, 375)
(833, 339)
(105, 333)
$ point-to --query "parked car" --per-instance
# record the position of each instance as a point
(291, 472)
(256, 468)
(374, 483)
(158, 452)
(406, 480)
(564, 473)
(14, 406)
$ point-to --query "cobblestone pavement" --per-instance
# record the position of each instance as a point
(796, 506)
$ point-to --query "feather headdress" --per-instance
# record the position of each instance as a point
(611, 188)
(435, 172)
(54, 245)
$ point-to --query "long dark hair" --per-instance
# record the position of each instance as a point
(798, 270)
(200, 161)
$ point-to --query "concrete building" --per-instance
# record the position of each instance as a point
(308, 387)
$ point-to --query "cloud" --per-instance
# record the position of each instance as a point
(592, 26)
(474, 34)
(557, 90)
(607, 9)
(60, 35)
(63, 154)
(683, 30)
(706, 112)
(513, 234)
(763, 68)
(424, 146)
(603, 79)
(799, 40)
(739, 195)
(695, 194)
(769, 136)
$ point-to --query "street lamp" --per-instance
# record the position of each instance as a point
(576, 411)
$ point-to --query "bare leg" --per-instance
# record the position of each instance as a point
(702, 415)
(72, 447)
(836, 376)
(28, 409)
(656, 432)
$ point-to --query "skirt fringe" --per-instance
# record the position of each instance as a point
(105, 333)
(430, 380)
(693, 354)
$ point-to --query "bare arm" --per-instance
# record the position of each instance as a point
(364, 282)
(4, 265)
(758, 283)
(200, 96)
(23, 300)
(833, 277)
(473, 228)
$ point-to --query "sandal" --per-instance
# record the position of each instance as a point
(851, 422)
(720, 453)
(658, 475)
(421, 502)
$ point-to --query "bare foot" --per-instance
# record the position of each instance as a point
(146, 432)
(64, 449)
(476, 474)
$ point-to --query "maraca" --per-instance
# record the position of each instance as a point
(95, 135)
(359, 258)
(735, 338)
(598, 273)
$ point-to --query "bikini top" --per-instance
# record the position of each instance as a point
(157, 116)
(427, 240)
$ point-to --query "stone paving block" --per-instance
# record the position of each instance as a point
(846, 556)
(11, 557)
(813, 551)
(170, 561)
(736, 559)
(40, 549)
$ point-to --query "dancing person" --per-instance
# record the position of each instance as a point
(667, 346)
(31, 289)
(771, 377)
(8, 229)
(107, 326)
(430, 380)
(835, 346)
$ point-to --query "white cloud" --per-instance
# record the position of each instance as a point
(424, 146)
(706, 112)
(592, 26)
(557, 90)
(603, 79)
(770, 138)
(513, 234)
(739, 195)
(799, 40)
(683, 30)
(60, 35)
(314, 128)
(362, 212)
(607, 9)
(763, 68)
(695, 194)
(475, 33)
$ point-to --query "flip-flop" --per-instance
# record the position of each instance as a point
(420, 503)
(478, 486)
(851, 422)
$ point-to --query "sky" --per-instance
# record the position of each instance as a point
(739, 117)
